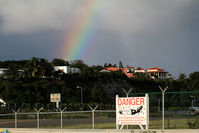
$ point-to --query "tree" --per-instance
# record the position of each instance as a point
(105, 65)
(194, 76)
(194, 81)
(46, 68)
(59, 62)
(110, 65)
(142, 76)
(8, 64)
(14, 72)
(98, 94)
(32, 67)
(97, 68)
(38, 68)
(79, 64)
(87, 72)
(120, 64)
(182, 76)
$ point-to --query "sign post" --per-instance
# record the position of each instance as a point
(132, 111)
(56, 98)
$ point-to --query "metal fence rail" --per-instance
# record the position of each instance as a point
(179, 113)
(86, 119)
(53, 119)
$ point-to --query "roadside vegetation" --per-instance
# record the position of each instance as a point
(33, 87)
(154, 124)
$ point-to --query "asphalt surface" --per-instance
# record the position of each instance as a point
(56, 123)
(46, 123)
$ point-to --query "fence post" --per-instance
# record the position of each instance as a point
(127, 95)
(117, 125)
(61, 116)
(147, 107)
(163, 92)
(38, 115)
(15, 112)
(93, 116)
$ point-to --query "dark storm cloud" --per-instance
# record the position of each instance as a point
(42, 44)
(146, 33)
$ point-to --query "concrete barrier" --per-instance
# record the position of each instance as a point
(29, 130)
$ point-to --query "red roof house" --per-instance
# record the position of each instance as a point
(156, 72)
(112, 68)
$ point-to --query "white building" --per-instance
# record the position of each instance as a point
(67, 69)
(3, 71)
(140, 70)
(156, 72)
(2, 102)
(6, 71)
(74, 70)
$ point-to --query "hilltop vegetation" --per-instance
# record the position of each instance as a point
(39, 80)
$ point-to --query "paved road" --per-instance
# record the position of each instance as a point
(32, 123)
(49, 123)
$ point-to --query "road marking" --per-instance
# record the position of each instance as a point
(10, 122)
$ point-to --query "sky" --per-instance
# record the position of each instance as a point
(140, 33)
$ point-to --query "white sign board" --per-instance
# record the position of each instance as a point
(132, 110)
(55, 97)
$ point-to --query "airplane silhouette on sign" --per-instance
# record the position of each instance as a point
(132, 111)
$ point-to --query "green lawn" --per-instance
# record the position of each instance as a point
(154, 124)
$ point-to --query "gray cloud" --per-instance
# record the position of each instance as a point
(27, 16)
(143, 33)
(24, 16)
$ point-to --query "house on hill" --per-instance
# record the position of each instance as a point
(67, 69)
(140, 70)
(128, 71)
(3, 72)
(114, 69)
(156, 72)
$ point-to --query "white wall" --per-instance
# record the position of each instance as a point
(139, 71)
(67, 69)
(3, 71)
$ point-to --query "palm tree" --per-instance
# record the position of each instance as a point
(38, 68)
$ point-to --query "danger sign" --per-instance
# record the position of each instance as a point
(131, 101)
(55, 97)
(132, 110)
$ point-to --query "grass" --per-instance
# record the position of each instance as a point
(154, 124)
(89, 126)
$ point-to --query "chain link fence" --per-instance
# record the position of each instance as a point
(65, 119)
(181, 112)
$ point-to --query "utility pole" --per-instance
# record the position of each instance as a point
(81, 94)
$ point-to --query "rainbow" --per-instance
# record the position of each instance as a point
(79, 37)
